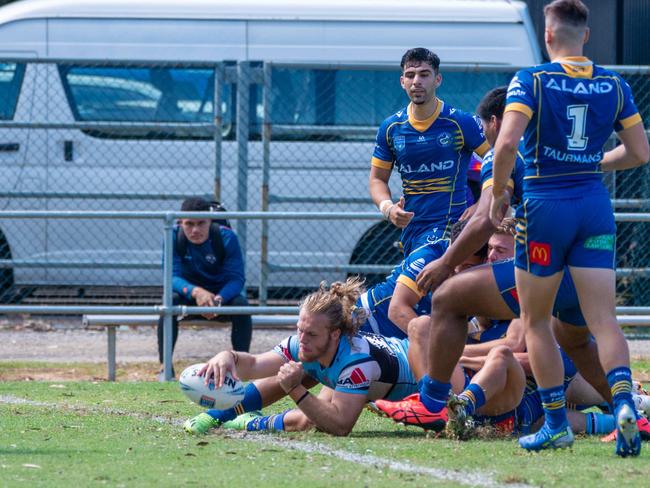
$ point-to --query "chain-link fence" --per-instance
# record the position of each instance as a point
(125, 136)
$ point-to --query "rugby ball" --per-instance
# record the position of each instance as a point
(194, 387)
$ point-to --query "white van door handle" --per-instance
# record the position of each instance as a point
(68, 151)
(10, 147)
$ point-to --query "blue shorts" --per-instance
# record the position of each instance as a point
(417, 235)
(566, 306)
(574, 231)
(378, 321)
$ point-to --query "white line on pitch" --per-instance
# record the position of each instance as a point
(471, 478)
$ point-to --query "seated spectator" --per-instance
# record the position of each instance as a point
(208, 271)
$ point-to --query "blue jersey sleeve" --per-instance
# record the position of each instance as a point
(383, 157)
(487, 171)
(521, 94)
(473, 135)
(628, 115)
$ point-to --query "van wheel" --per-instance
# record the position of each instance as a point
(6, 274)
(378, 245)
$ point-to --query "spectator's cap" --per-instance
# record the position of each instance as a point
(195, 204)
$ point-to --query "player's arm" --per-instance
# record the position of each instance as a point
(336, 417)
(401, 309)
(515, 339)
(381, 166)
(378, 183)
(241, 365)
(505, 152)
(233, 267)
(633, 151)
(476, 233)
(381, 196)
(474, 363)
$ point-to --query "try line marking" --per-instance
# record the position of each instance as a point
(470, 478)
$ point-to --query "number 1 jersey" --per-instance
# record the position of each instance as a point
(573, 106)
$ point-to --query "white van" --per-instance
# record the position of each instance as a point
(106, 105)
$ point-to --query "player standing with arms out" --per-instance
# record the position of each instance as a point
(430, 143)
(566, 110)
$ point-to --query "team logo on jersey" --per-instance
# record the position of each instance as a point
(399, 143)
(355, 379)
(540, 253)
(444, 139)
(211, 259)
(580, 87)
(428, 167)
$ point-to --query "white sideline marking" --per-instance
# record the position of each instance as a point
(471, 478)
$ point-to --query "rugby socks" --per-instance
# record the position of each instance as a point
(599, 423)
(434, 394)
(252, 401)
(474, 397)
(554, 405)
(620, 383)
(269, 423)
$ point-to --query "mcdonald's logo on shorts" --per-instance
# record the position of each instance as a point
(540, 253)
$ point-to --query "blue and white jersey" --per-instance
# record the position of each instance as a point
(516, 181)
(432, 157)
(573, 106)
(377, 300)
(365, 364)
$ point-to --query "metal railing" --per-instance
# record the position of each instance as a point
(167, 309)
(630, 315)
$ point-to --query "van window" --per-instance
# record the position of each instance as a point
(361, 98)
(317, 97)
(142, 94)
(11, 79)
(314, 98)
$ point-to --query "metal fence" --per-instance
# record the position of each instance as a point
(91, 136)
(626, 315)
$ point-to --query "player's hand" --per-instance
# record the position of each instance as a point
(290, 375)
(398, 216)
(498, 207)
(432, 275)
(469, 211)
(218, 366)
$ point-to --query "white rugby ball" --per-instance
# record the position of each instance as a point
(208, 396)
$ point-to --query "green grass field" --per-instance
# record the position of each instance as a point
(129, 434)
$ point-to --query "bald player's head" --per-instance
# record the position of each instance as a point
(566, 21)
